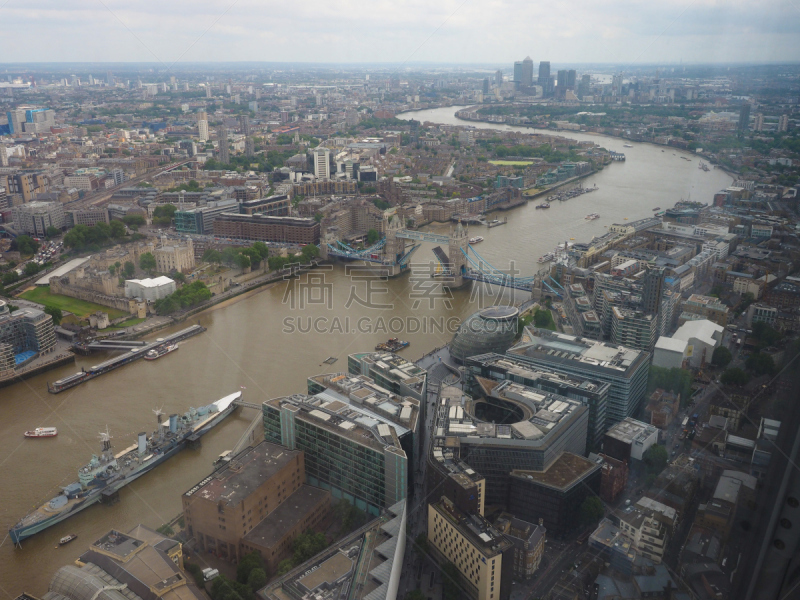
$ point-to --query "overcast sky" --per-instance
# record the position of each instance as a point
(471, 31)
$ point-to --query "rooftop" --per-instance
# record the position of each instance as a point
(567, 470)
(630, 430)
(152, 282)
(280, 521)
(246, 472)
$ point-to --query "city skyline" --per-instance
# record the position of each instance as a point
(452, 32)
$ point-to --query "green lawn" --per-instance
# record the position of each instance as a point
(80, 308)
(511, 163)
(128, 323)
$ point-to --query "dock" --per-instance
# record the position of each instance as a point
(134, 354)
(497, 223)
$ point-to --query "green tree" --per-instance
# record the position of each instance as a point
(242, 261)
(147, 262)
(284, 567)
(229, 255)
(52, 232)
(257, 579)
(734, 376)
(179, 277)
(55, 313)
(373, 236)
(765, 334)
(543, 319)
(76, 238)
(98, 233)
(262, 249)
(129, 269)
(117, 229)
(212, 256)
(721, 357)
(31, 268)
(112, 269)
(248, 562)
(760, 364)
(677, 381)
(591, 510)
(309, 252)
(134, 221)
(163, 215)
(655, 458)
(25, 245)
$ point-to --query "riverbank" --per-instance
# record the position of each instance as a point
(39, 366)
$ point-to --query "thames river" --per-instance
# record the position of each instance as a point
(269, 342)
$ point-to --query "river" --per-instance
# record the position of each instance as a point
(249, 344)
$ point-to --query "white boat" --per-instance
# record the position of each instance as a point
(547, 257)
(627, 145)
(592, 216)
(475, 240)
(42, 432)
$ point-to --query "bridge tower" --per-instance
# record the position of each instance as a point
(394, 249)
(328, 237)
(458, 247)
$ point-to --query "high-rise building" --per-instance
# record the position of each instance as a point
(584, 86)
(544, 73)
(744, 118)
(208, 90)
(783, 123)
(33, 218)
(518, 73)
(652, 289)
(616, 85)
(244, 124)
(758, 122)
(527, 72)
(571, 79)
(485, 85)
(16, 118)
(202, 126)
(109, 78)
(249, 146)
(561, 83)
(3, 157)
(322, 163)
(223, 151)
(498, 78)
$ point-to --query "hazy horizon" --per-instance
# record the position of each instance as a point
(614, 32)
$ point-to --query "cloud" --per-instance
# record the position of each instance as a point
(470, 31)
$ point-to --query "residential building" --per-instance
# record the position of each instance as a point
(391, 372)
(88, 217)
(322, 163)
(613, 478)
(553, 496)
(149, 289)
(257, 502)
(277, 206)
(592, 393)
(24, 334)
(624, 368)
(223, 150)
(662, 408)
(633, 328)
(266, 228)
(175, 257)
(33, 218)
(202, 126)
(354, 453)
(483, 556)
(629, 439)
(647, 534)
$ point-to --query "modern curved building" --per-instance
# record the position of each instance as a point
(492, 329)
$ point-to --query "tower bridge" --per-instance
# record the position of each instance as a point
(461, 263)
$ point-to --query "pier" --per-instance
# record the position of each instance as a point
(134, 354)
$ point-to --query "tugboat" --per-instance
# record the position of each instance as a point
(67, 539)
(392, 345)
(42, 432)
(656, 208)
(475, 240)
(159, 352)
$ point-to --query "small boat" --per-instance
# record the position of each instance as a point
(159, 352)
(494, 221)
(662, 150)
(475, 240)
(627, 145)
(547, 257)
(656, 208)
(42, 432)
(592, 216)
(392, 345)
(67, 539)
(543, 205)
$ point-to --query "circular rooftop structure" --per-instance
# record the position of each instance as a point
(491, 329)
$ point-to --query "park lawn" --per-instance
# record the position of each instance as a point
(80, 308)
(511, 163)
(128, 323)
